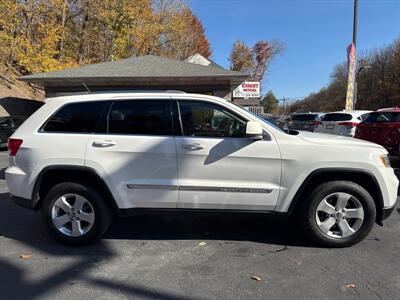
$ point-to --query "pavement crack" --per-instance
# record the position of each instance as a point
(365, 281)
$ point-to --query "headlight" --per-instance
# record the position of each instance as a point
(385, 160)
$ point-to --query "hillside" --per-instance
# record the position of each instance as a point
(378, 78)
(10, 87)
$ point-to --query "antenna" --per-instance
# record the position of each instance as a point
(83, 83)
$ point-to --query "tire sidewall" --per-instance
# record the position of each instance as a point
(351, 188)
(95, 200)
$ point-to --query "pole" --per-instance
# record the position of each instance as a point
(355, 22)
(355, 46)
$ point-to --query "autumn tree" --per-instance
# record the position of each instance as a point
(45, 35)
(242, 58)
(190, 39)
(256, 60)
(30, 33)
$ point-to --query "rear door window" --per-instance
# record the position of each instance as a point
(337, 117)
(75, 118)
(140, 117)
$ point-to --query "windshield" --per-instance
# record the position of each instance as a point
(306, 117)
(260, 118)
(267, 122)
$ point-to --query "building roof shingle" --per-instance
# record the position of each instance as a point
(148, 66)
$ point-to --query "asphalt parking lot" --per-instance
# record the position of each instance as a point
(192, 257)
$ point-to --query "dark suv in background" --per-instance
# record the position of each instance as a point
(304, 121)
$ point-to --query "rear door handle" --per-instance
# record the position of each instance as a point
(194, 146)
(103, 143)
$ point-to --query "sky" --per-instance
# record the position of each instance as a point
(315, 34)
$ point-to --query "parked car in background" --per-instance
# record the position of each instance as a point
(382, 127)
(341, 122)
(7, 127)
(305, 121)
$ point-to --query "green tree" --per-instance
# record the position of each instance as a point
(270, 103)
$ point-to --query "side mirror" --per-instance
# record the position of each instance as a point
(254, 130)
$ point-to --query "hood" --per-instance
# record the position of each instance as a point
(338, 140)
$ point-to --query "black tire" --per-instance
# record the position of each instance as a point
(309, 208)
(103, 214)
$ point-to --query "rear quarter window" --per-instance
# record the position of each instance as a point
(75, 118)
(337, 117)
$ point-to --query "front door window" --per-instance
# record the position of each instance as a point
(203, 119)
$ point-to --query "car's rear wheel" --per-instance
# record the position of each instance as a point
(75, 214)
(338, 214)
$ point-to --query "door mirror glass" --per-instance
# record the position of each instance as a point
(254, 130)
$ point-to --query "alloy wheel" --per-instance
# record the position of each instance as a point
(72, 215)
(339, 215)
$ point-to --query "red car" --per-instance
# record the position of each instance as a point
(382, 127)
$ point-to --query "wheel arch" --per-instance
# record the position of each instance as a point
(360, 176)
(52, 175)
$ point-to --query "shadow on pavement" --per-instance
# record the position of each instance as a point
(24, 226)
(207, 226)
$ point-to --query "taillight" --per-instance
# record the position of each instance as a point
(13, 146)
(317, 123)
(348, 124)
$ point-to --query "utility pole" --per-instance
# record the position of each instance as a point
(355, 46)
(355, 22)
(284, 105)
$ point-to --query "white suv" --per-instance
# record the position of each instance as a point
(341, 122)
(82, 159)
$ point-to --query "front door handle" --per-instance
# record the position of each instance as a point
(103, 143)
(194, 146)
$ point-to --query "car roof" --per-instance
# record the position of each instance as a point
(353, 112)
(389, 109)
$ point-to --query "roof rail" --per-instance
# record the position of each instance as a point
(116, 92)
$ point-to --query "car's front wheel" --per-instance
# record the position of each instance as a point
(75, 214)
(338, 214)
